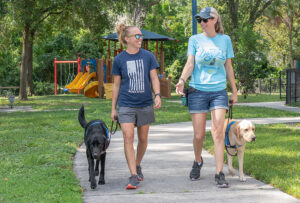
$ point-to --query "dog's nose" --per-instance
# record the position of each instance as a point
(253, 139)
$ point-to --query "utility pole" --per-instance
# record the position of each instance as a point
(194, 12)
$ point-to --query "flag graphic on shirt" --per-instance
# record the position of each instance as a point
(135, 71)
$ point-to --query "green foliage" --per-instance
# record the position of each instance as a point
(250, 62)
(43, 88)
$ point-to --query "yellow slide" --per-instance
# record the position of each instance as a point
(70, 85)
(91, 90)
(82, 82)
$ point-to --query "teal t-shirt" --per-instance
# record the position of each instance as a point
(210, 56)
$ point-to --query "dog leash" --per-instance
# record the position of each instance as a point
(228, 125)
(112, 130)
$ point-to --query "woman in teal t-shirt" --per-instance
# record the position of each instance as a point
(209, 63)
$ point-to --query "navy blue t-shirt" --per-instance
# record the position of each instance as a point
(134, 69)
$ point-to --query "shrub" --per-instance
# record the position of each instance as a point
(43, 88)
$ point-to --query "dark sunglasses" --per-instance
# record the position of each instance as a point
(137, 36)
(204, 20)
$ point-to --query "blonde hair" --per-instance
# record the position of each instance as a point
(123, 32)
(218, 25)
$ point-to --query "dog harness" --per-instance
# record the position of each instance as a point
(106, 131)
(227, 142)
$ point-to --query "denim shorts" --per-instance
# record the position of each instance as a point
(202, 101)
(138, 115)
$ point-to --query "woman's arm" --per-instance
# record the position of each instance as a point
(231, 79)
(115, 95)
(156, 88)
(187, 71)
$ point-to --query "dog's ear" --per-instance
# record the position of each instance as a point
(81, 117)
(236, 131)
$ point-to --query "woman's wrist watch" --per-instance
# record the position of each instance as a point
(157, 94)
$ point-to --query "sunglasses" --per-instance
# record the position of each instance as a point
(204, 20)
(137, 36)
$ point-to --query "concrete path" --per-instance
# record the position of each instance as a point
(166, 167)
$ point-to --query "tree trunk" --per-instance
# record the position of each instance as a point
(291, 41)
(30, 67)
(24, 65)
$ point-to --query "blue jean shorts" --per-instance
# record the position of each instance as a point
(202, 101)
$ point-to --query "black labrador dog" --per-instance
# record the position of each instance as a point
(96, 138)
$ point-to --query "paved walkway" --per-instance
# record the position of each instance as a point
(166, 166)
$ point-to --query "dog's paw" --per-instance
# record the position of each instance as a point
(242, 179)
(101, 182)
(231, 172)
(93, 184)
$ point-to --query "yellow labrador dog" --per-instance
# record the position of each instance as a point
(237, 133)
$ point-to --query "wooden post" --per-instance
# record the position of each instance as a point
(100, 74)
(156, 53)
(115, 49)
(162, 56)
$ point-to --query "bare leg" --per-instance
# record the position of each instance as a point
(142, 143)
(218, 118)
(128, 136)
(199, 122)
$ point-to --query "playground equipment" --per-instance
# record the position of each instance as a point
(61, 72)
(165, 83)
(81, 80)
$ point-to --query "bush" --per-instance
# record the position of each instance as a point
(43, 88)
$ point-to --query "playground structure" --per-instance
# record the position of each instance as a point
(87, 70)
(165, 83)
(101, 76)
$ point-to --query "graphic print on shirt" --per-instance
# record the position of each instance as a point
(135, 71)
(211, 56)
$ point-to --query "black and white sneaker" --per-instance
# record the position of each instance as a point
(220, 180)
(195, 172)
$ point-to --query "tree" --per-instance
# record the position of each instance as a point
(30, 16)
(242, 15)
(286, 12)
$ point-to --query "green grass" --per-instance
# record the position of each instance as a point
(273, 158)
(37, 148)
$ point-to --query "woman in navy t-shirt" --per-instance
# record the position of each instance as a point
(134, 71)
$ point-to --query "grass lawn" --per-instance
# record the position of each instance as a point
(277, 146)
(37, 148)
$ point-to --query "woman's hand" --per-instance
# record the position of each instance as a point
(157, 102)
(179, 87)
(233, 98)
(114, 115)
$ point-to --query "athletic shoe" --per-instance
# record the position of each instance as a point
(139, 173)
(195, 172)
(133, 182)
(220, 180)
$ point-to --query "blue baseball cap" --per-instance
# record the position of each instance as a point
(207, 12)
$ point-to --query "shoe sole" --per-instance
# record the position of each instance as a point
(129, 186)
(194, 179)
(223, 186)
(141, 179)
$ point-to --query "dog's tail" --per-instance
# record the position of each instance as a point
(81, 117)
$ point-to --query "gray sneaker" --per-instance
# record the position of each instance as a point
(220, 180)
(133, 182)
(139, 173)
(195, 172)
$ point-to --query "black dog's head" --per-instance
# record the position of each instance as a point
(95, 136)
